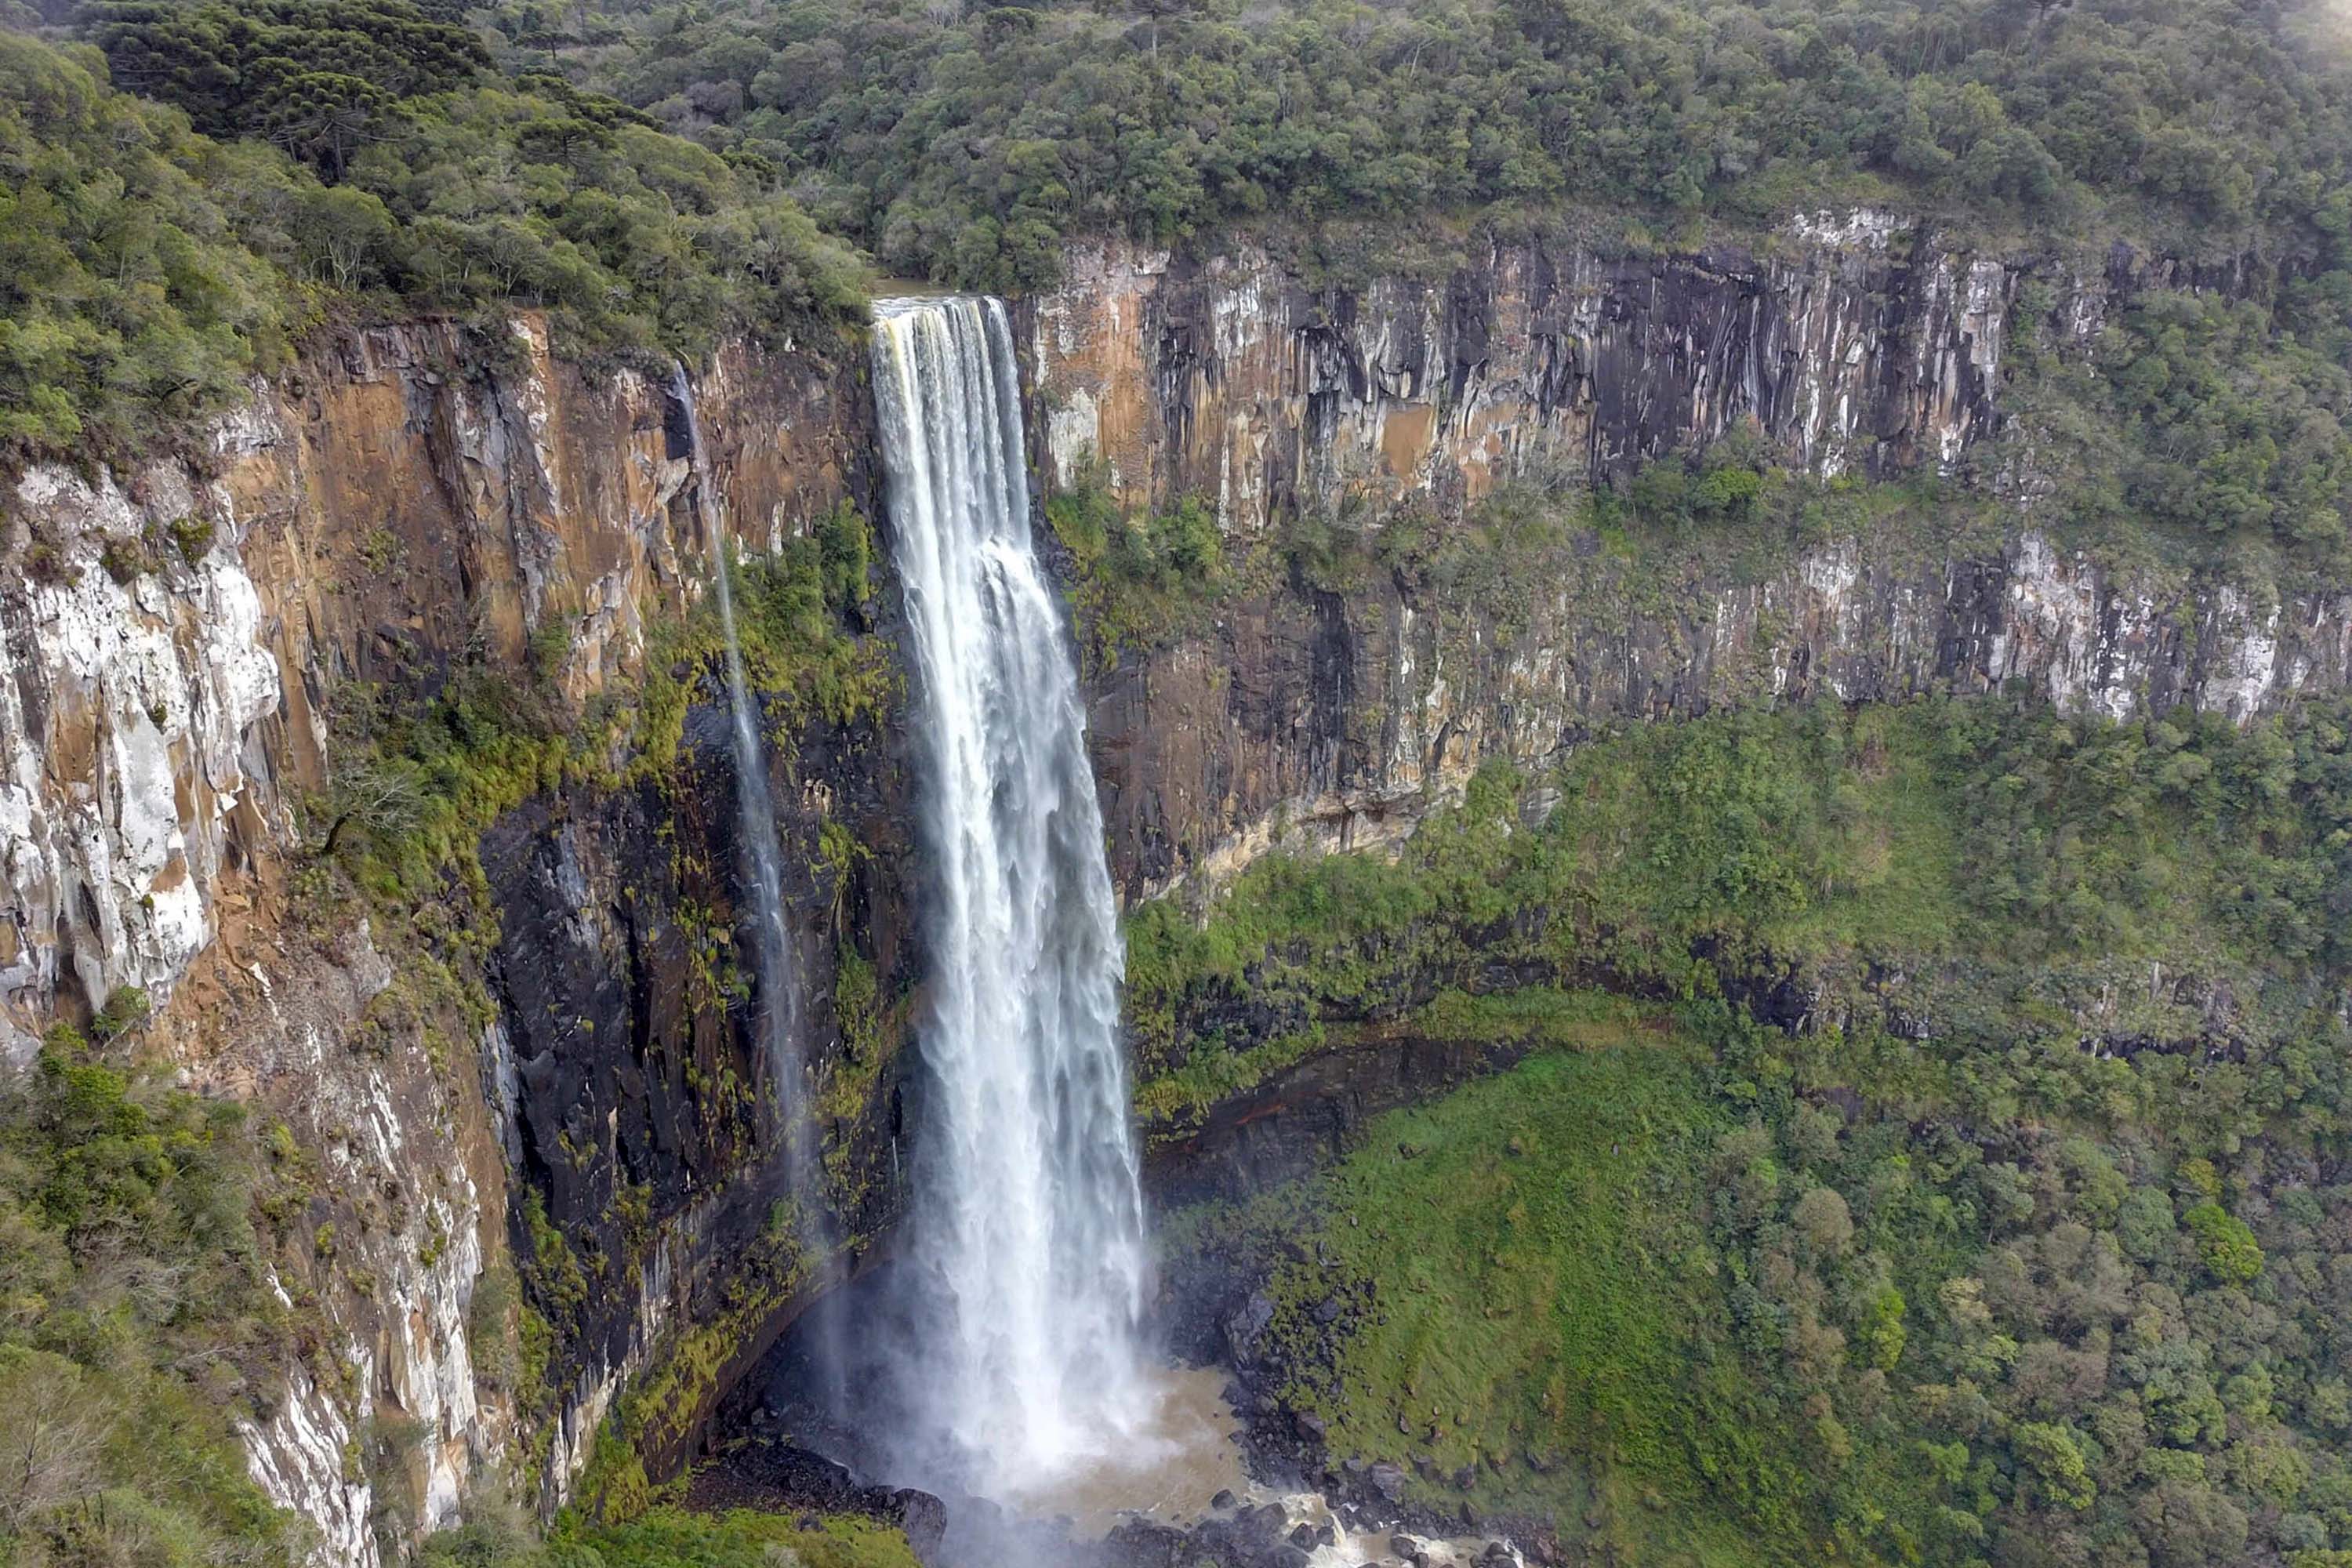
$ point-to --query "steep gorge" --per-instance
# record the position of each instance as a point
(554, 1073)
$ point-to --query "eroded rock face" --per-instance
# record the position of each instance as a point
(1323, 721)
(174, 642)
(644, 1101)
(1864, 347)
(1327, 718)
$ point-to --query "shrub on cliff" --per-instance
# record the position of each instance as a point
(133, 1323)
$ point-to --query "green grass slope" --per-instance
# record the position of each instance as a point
(1714, 1296)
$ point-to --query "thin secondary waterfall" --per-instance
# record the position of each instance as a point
(1029, 1221)
(755, 807)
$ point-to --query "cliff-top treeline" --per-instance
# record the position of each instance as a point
(964, 143)
(365, 158)
(657, 176)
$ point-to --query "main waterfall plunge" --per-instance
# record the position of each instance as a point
(1026, 1242)
(993, 1358)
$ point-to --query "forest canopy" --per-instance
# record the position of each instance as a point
(963, 143)
(363, 156)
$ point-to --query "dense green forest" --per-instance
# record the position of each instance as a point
(362, 159)
(1955, 1174)
(965, 144)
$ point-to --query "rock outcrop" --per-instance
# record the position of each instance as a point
(1861, 347)
(1326, 716)
(178, 645)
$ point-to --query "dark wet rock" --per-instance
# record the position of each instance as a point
(1541, 1543)
(1310, 1426)
(923, 1517)
(1224, 1500)
(1328, 1310)
(1265, 1520)
(1305, 1536)
(1387, 1480)
(1140, 1543)
(1244, 1328)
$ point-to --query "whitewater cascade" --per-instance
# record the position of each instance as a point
(755, 807)
(1029, 1218)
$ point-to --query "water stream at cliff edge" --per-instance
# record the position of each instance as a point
(755, 806)
(1027, 1235)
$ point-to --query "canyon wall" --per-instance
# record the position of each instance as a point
(553, 1047)
(1858, 346)
(1328, 713)
(185, 647)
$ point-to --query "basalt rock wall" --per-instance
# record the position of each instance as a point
(1858, 344)
(185, 647)
(1328, 714)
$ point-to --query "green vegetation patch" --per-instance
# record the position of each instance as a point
(670, 1537)
(1730, 1296)
(1540, 1284)
(134, 1322)
(1137, 582)
(1982, 862)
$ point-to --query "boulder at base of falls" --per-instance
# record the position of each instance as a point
(1248, 1321)
(923, 1517)
(780, 1477)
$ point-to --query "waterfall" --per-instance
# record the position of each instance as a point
(755, 809)
(1028, 1226)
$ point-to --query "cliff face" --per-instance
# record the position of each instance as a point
(1328, 715)
(567, 1052)
(1327, 720)
(410, 500)
(1861, 347)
